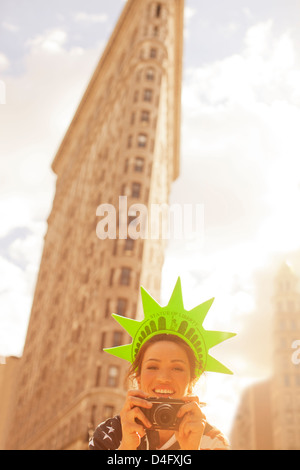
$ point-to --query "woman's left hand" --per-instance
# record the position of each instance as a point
(191, 427)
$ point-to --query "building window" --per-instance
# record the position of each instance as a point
(129, 141)
(125, 276)
(158, 10)
(129, 244)
(115, 247)
(145, 116)
(147, 95)
(103, 340)
(142, 140)
(122, 306)
(107, 309)
(117, 338)
(153, 53)
(139, 164)
(111, 279)
(136, 190)
(112, 377)
(150, 74)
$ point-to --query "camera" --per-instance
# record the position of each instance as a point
(163, 414)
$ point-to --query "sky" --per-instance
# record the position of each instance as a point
(239, 158)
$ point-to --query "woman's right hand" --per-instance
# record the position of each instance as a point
(132, 431)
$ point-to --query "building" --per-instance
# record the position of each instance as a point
(252, 429)
(269, 412)
(285, 396)
(124, 140)
(9, 369)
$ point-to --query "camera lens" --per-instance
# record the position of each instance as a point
(164, 415)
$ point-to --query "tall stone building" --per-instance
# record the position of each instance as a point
(269, 413)
(285, 384)
(124, 140)
(9, 369)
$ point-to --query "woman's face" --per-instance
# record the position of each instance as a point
(165, 370)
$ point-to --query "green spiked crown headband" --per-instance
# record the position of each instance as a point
(174, 320)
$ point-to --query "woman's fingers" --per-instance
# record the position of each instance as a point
(192, 418)
(191, 407)
(137, 414)
(133, 401)
(132, 411)
(133, 419)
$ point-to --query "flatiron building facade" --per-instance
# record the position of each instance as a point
(124, 140)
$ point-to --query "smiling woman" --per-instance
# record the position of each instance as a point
(184, 360)
(164, 371)
(169, 353)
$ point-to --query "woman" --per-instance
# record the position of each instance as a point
(163, 368)
(168, 353)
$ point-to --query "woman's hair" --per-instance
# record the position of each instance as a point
(135, 369)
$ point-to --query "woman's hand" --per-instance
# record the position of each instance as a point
(191, 427)
(132, 431)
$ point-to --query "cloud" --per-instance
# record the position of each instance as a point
(240, 122)
(240, 158)
(189, 13)
(15, 301)
(13, 28)
(51, 41)
(264, 72)
(82, 17)
(4, 62)
(39, 107)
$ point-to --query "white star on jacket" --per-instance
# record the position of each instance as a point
(106, 436)
(110, 430)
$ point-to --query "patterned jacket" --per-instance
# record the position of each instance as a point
(108, 436)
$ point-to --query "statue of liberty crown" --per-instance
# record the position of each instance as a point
(174, 320)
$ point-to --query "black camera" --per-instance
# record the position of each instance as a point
(163, 414)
